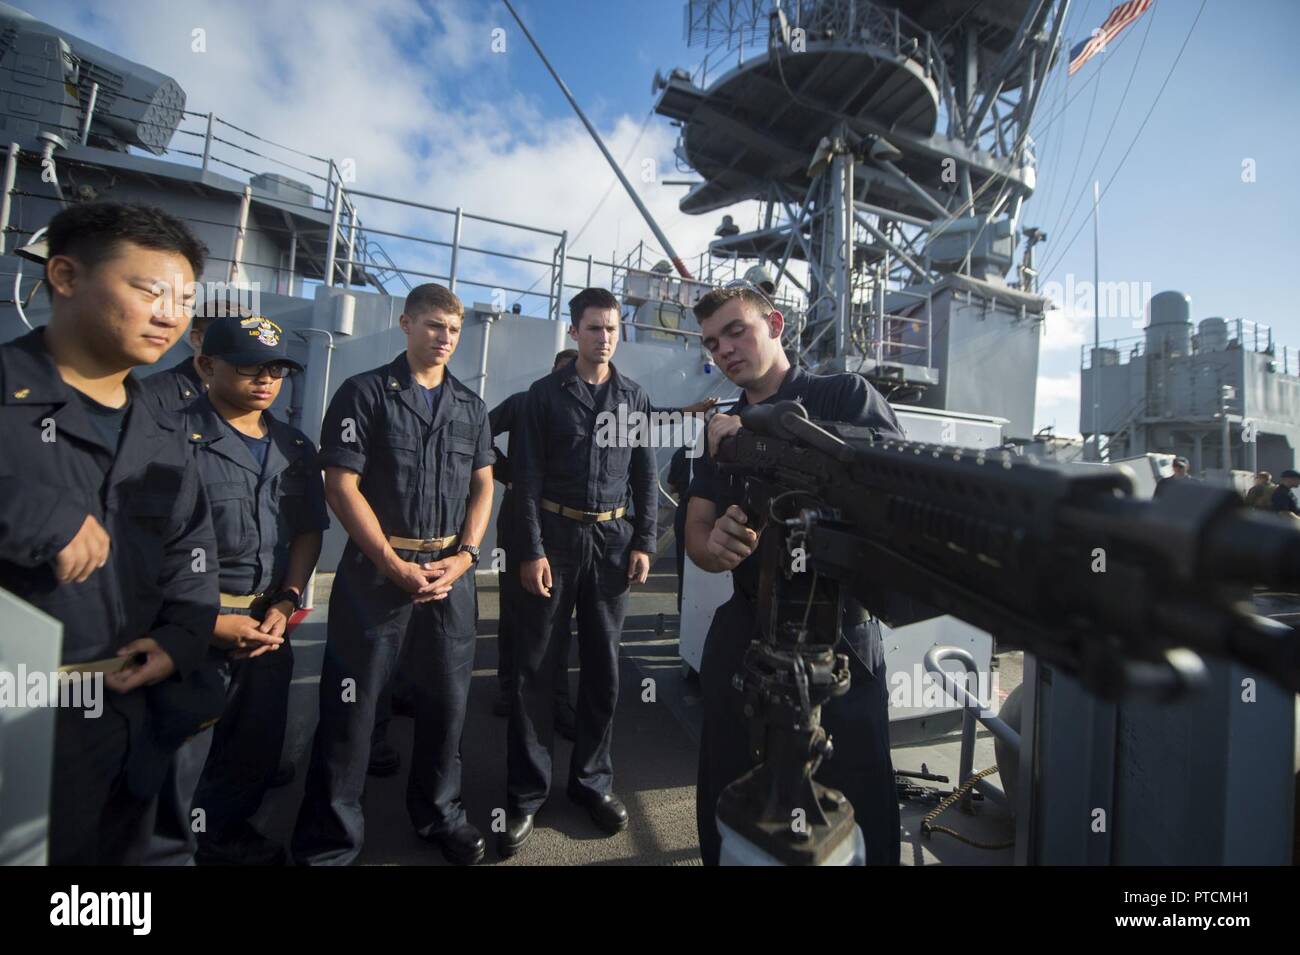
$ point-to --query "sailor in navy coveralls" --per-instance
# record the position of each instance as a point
(742, 330)
(578, 547)
(268, 512)
(407, 454)
(103, 521)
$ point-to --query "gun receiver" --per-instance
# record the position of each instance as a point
(1125, 594)
(1067, 565)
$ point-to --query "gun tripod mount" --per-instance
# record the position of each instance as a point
(777, 814)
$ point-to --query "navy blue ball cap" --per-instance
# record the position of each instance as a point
(253, 340)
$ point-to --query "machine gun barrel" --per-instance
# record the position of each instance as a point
(1066, 564)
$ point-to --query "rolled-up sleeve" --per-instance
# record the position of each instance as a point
(345, 432)
(314, 514)
(484, 455)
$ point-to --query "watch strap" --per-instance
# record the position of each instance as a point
(288, 595)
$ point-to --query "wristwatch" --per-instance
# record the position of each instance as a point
(471, 550)
(288, 596)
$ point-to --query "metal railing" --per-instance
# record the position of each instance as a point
(974, 711)
(727, 28)
(1243, 334)
(434, 250)
(878, 335)
(1112, 432)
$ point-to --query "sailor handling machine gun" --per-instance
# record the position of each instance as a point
(1003, 542)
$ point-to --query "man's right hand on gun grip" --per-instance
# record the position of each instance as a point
(719, 427)
(731, 541)
(84, 554)
(535, 576)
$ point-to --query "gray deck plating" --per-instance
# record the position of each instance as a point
(655, 752)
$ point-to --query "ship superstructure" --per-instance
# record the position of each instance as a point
(887, 146)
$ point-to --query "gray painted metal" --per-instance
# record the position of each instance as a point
(137, 106)
(1066, 782)
(839, 90)
(30, 639)
(985, 346)
(974, 711)
(1170, 330)
(1164, 392)
(985, 360)
(1207, 780)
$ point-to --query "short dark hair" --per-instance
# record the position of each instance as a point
(91, 232)
(432, 297)
(714, 299)
(590, 298)
(1288, 473)
(565, 355)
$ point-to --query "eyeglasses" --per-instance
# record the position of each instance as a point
(274, 369)
(751, 287)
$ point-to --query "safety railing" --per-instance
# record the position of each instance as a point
(974, 712)
(1239, 334)
(729, 28)
(383, 249)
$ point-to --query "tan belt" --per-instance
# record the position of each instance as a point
(426, 545)
(586, 517)
(234, 602)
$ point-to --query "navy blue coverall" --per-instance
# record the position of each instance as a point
(257, 511)
(415, 469)
(858, 722)
(561, 460)
(679, 480)
(505, 419)
(58, 467)
(176, 388)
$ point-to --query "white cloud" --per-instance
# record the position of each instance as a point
(416, 97)
(1069, 323)
(1065, 330)
(1057, 404)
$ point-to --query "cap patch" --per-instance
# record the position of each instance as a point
(264, 330)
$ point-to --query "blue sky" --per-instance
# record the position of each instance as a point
(435, 114)
(1177, 214)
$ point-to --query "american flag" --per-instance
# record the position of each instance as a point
(1119, 18)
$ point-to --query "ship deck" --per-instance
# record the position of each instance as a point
(655, 753)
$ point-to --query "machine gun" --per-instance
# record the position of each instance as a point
(1127, 595)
